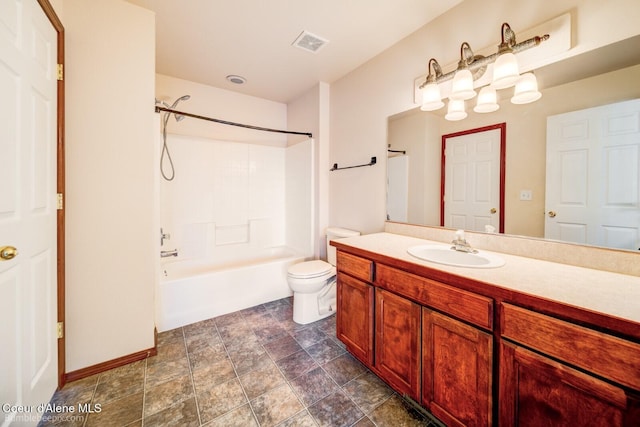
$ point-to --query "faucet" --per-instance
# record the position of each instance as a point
(165, 254)
(461, 244)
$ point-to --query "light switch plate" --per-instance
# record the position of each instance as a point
(526, 195)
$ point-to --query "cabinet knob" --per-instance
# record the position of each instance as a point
(493, 210)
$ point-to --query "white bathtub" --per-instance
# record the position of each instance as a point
(193, 290)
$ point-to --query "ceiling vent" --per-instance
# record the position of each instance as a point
(309, 42)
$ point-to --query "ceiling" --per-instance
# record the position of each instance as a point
(205, 40)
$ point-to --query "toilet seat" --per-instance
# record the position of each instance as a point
(310, 269)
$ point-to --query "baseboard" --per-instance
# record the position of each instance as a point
(115, 363)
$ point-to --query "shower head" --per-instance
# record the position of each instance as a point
(182, 98)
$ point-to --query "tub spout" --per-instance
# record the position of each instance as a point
(165, 254)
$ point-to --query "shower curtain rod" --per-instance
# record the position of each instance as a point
(224, 122)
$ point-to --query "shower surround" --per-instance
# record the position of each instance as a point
(236, 212)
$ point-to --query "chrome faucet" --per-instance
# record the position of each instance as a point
(460, 243)
(165, 254)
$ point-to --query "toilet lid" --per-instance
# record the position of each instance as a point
(309, 269)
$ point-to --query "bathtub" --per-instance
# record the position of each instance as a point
(193, 290)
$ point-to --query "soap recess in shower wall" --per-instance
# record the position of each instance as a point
(231, 234)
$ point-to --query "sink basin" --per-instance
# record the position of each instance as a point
(445, 255)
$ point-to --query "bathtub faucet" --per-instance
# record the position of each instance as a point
(165, 254)
(163, 236)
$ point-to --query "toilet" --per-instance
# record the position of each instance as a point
(314, 282)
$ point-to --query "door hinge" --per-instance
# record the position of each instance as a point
(60, 71)
(60, 330)
(60, 203)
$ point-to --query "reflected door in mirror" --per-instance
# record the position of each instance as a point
(472, 184)
(593, 176)
(398, 188)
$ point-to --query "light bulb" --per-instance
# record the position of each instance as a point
(487, 100)
(462, 85)
(455, 110)
(505, 71)
(431, 98)
(526, 90)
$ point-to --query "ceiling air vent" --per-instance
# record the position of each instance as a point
(309, 42)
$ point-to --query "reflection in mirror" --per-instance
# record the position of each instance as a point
(604, 76)
(472, 182)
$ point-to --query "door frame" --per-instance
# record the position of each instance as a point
(48, 10)
(503, 145)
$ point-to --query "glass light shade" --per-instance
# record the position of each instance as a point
(487, 101)
(431, 98)
(455, 110)
(505, 71)
(462, 85)
(526, 90)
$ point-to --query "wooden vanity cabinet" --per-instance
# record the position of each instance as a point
(436, 343)
(457, 363)
(555, 373)
(538, 391)
(397, 342)
(355, 304)
(457, 358)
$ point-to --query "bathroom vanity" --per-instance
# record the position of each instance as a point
(529, 343)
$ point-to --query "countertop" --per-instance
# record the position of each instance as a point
(611, 294)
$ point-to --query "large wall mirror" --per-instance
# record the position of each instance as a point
(608, 75)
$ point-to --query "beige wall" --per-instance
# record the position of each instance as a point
(310, 113)
(111, 238)
(224, 105)
(362, 101)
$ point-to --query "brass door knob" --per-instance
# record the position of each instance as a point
(493, 210)
(552, 214)
(8, 252)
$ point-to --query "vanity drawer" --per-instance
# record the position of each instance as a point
(355, 266)
(464, 305)
(594, 351)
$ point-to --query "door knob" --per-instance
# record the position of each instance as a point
(552, 214)
(8, 252)
(493, 210)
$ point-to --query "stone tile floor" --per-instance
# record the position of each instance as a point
(254, 367)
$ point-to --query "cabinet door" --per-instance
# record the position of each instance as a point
(397, 357)
(538, 391)
(354, 317)
(456, 371)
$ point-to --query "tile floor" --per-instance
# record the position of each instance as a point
(254, 367)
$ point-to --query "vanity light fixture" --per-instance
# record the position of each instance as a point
(526, 90)
(431, 98)
(462, 85)
(487, 100)
(471, 67)
(505, 69)
(455, 110)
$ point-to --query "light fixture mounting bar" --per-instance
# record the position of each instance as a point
(483, 61)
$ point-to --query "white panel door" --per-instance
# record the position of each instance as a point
(593, 176)
(28, 285)
(472, 181)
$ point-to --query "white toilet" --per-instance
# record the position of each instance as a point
(314, 283)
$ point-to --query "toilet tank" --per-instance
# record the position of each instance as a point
(334, 233)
